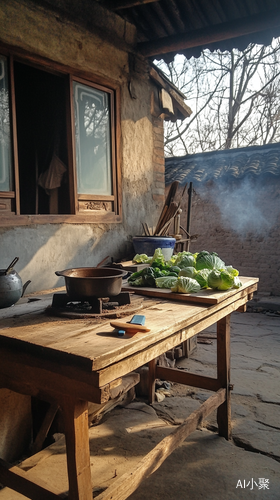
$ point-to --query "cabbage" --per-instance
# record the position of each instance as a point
(175, 269)
(220, 280)
(189, 272)
(185, 285)
(166, 281)
(202, 277)
(195, 271)
(186, 260)
(172, 261)
(181, 254)
(158, 258)
(141, 259)
(137, 282)
(206, 260)
(236, 282)
(232, 271)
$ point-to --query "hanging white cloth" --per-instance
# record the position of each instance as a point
(52, 177)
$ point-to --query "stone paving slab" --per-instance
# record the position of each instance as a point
(257, 437)
(209, 467)
(265, 303)
(255, 374)
(204, 466)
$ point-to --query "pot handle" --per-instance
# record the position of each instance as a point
(10, 267)
(59, 273)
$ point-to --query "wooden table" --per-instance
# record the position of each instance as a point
(72, 362)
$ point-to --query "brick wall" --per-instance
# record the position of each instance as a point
(241, 224)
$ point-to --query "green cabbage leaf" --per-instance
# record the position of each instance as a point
(166, 282)
(141, 259)
(185, 285)
(220, 280)
(206, 260)
(189, 272)
(202, 277)
(232, 271)
(237, 283)
(185, 260)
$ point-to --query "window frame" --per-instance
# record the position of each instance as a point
(84, 208)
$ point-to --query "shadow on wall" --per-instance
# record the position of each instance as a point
(42, 250)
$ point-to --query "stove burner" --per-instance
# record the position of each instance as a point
(116, 306)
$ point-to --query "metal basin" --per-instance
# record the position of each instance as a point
(85, 282)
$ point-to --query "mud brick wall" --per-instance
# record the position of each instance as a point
(241, 222)
(158, 161)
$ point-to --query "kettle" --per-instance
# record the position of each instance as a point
(11, 287)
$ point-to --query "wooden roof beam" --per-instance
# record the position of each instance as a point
(125, 4)
(216, 33)
(177, 96)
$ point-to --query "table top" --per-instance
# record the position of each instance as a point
(92, 345)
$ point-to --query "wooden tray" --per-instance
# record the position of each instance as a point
(207, 296)
(130, 266)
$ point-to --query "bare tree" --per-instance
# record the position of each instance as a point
(235, 98)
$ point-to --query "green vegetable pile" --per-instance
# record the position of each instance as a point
(185, 272)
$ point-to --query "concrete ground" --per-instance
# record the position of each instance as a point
(205, 465)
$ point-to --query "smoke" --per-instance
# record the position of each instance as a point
(246, 207)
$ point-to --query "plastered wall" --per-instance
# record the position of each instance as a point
(103, 50)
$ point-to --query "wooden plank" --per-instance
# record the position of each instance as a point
(43, 383)
(124, 392)
(129, 482)
(152, 380)
(27, 484)
(85, 344)
(132, 267)
(187, 378)
(242, 309)
(90, 345)
(202, 297)
(207, 296)
(165, 342)
(120, 366)
(223, 371)
(125, 4)
(75, 416)
(25, 308)
(14, 141)
(44, 429)
(88, 218)
(164, 318)
(211, 34)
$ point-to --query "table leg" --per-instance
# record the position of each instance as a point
(152, 380)
(223, 373)
(75, 415)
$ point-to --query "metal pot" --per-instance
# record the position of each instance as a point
(85, 282)
(11, 287)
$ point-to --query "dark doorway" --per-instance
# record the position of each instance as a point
(41, 131)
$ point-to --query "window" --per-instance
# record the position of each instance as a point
(58, 145)
(5, 136)
(93, 142)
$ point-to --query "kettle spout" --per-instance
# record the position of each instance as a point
(25, 286)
